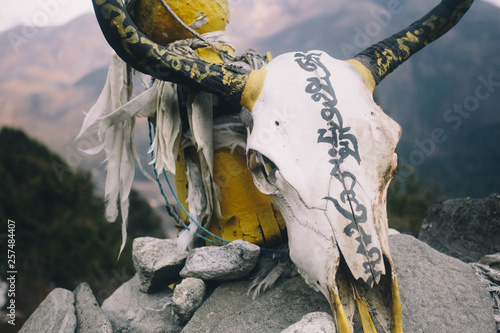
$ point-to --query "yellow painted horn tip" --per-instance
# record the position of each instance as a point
(366, 319)
(364, 72)
(253, 88)
(396, 307)
(343, 325)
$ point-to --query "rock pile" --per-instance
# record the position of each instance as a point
(438, 294)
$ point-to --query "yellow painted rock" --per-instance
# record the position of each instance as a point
(156, 22)
(248, 214)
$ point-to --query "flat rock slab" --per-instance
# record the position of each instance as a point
(90, 318)
(466, 229)
(157, 262)
(222, 263)
(55, 314)
(132, 311)
(230, 310)
(438, 294)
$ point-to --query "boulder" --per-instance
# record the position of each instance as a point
(89, 316)
(466, 229)
(438, 294)
(132, 311)
(157, 262)
(230, 309)
(188, 297)
(55, 314)
(222, 263)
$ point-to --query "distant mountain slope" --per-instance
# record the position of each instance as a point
(421, 94)
(51, 76)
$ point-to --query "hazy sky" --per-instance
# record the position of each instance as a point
(41, 13)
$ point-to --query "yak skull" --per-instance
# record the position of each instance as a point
(318, 144)
(322, 148)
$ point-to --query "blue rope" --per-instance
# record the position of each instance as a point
(174, 214)
(171, 209)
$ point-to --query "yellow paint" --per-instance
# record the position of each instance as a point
(384, 61)
(269, 56)
(365, 73)
(211, 55)
(396, 306)
(253, 88)
(342, 321)
(402, 44)
(181, 184)
(153, 19)
(168, 61)
(364, 315)
(387, 57)
(248, 214)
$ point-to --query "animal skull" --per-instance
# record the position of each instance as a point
(324, 151)
(318, 144)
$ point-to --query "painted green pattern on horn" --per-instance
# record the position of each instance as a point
(150, 58)
(385, 56)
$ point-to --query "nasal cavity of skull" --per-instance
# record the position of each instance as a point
(264, 164)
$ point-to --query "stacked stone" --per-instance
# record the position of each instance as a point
(439, 293)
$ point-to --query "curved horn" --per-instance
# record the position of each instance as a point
(380, 59)
(234, 83)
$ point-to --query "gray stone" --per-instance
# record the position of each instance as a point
(438, 294)
(188, 297)
(55, 314)
(466, 229)
(230, 310)
(89, 316)
(132, 311)
(157, 262)
(229, 262)
(314, 322)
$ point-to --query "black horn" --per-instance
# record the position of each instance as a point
(233, 83)
(382, 58)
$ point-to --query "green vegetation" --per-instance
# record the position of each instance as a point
(408, 200)
(61, 236)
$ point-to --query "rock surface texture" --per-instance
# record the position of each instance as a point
(90, 318)
(188, 297)
(157, 262)
(438, 294)
(230, 262)
(55, 314)
(313, 322)
(133, 311)
(466, 229)
(230, 309)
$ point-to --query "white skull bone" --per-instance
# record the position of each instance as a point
(322, 148)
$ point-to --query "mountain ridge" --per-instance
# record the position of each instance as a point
(57, 76)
